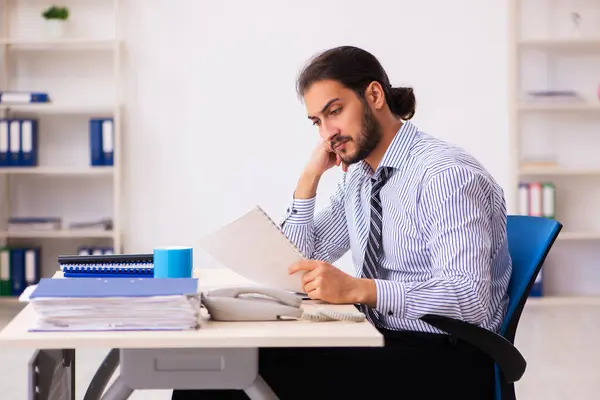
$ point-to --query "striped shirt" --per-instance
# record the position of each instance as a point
(445, 248)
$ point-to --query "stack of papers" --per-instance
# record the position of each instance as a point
(115, 304)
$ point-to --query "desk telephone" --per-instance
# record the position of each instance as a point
(252, 303)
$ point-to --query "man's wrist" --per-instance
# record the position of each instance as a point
(307, 185)
(365, 292)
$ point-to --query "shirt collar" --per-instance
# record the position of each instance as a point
(398, 149)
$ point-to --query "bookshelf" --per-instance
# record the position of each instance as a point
(554, 106)
(79, 69)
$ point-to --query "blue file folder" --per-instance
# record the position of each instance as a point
(28, 155)
(115, 287)
(102, 142)
(14, 143)
(17, 271)
(108, 141)
(96, 158)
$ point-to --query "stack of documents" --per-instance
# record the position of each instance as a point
(115, 304)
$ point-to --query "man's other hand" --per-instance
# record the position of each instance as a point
(323, 281)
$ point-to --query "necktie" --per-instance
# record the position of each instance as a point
(373, 251)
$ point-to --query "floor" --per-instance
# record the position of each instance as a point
(559, 341)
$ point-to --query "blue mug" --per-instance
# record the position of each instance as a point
(173, 262)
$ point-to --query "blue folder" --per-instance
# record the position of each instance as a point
(96, 155)
(114, 287)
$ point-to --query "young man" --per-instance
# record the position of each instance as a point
(426, 227)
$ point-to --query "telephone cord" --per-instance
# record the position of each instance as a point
(323, 315)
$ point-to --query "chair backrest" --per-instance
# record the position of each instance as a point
(529, 241)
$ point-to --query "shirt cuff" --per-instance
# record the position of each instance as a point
(301, 211)
(390, 298)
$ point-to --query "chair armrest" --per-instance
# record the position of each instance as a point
(504, 353)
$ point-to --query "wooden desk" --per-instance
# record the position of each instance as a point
(232, 344)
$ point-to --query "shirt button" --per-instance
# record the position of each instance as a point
(390, 312)
(294, 210)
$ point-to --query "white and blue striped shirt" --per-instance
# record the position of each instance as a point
(444, 239)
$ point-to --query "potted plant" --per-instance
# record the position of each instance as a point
(56, 19)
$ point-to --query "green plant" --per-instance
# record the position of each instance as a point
(55, 12)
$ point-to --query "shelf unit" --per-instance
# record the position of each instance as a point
(555, 45)
(62, 43)
(80, 71)
(58, 109)
(570, 44)
(553, 107)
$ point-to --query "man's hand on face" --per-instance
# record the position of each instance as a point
(323, 281)
(322, 159)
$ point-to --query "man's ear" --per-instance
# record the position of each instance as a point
(375, 96)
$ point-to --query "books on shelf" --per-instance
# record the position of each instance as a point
(104, 224)
(101, 142)
(539, 162)
(20, 267)
(18, 142)
(23, 97)
(33, 224)
(95, 250)
(22, 224)
(113, 304)
(537, 199)
(554, 95)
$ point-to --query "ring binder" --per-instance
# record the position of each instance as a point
(109, 265)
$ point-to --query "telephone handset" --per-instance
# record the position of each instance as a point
(254, 303)
(247, 303)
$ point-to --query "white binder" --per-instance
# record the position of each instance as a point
(15, 142)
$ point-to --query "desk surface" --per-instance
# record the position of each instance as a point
(211, 334)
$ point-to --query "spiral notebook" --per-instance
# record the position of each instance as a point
(255, 247)
(109, 265)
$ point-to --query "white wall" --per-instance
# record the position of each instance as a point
(211, 98)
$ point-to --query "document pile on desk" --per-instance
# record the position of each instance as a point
(114, 304)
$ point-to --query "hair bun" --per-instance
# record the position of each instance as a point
(402, 102)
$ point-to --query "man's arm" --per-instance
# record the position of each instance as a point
(456, 208)
(323, 236)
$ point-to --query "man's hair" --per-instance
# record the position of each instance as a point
(356, 68)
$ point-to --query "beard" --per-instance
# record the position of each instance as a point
(370, 135)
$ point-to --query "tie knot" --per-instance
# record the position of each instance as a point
(384, 174)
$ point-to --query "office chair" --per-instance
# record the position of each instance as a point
(529, 241)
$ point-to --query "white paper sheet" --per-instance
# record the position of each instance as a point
(254, 247)
(114, 313)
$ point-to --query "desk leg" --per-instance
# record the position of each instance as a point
(52, 374)
(260, 390)
(102, 376)
(118, 391)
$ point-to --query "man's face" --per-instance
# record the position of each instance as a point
(344, 121)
